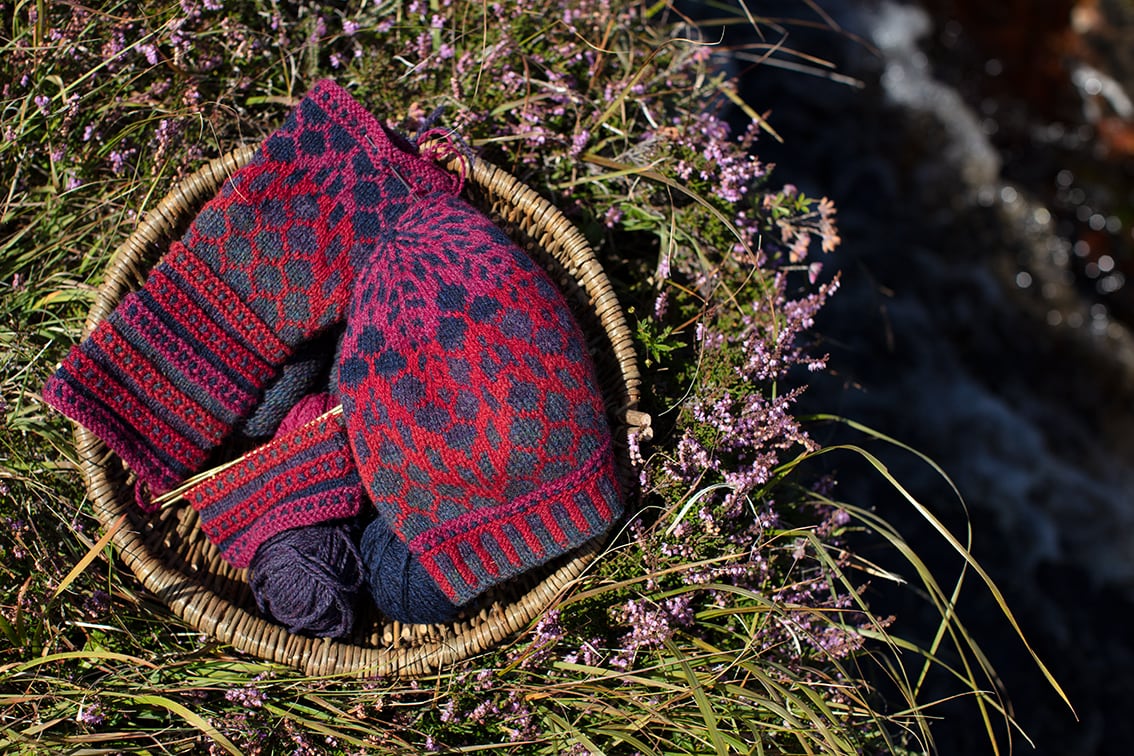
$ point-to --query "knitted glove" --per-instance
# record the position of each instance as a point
(471, 403)
(266, 264)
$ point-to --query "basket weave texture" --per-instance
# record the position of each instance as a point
(173, 559)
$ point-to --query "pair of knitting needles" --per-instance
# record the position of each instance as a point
(169, 498)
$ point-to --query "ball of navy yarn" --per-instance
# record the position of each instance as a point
(401, 587)
(308, 579)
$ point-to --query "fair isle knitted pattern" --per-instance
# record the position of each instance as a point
(266, 264)
(304, 476)
(472, 405)
(165, 377)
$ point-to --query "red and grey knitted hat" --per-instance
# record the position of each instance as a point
(471, 403)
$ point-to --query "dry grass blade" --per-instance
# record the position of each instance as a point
(194, 719)
(90, 556)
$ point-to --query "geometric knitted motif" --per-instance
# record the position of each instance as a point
(471, 403)
(304, 476)
(266, 263)
(288, 230)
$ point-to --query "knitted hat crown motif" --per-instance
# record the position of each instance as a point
(471, 403)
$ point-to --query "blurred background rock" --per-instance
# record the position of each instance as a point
(980, 154)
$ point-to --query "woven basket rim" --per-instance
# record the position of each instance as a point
(192, 592)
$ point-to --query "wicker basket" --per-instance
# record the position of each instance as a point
(174, 560)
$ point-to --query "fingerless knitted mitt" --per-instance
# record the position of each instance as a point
(266, 264)
(307, 477)
(471, 403)
(304, 476)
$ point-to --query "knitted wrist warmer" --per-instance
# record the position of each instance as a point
(167, 375)
(304, 476)
(471, 403)
(267, 263)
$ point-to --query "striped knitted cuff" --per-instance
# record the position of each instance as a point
(302, 477)
(167, 376)
(468, 555)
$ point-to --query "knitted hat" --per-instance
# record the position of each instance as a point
(304, 476)
(267, 263)
(471, 403)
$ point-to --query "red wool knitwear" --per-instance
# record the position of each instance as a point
(268, 263)
(304, 476)
(471, 403)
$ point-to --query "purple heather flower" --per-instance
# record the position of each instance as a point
(43, 102)
(118, 159)
(150, 51)
(97, 603)
(423, 45)
(579, 143)
(90, 715)
(249, 696)
(484, 711)
(548, 630)
(166, 135)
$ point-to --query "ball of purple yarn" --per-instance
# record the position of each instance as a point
(308, 579)
(401, 587)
